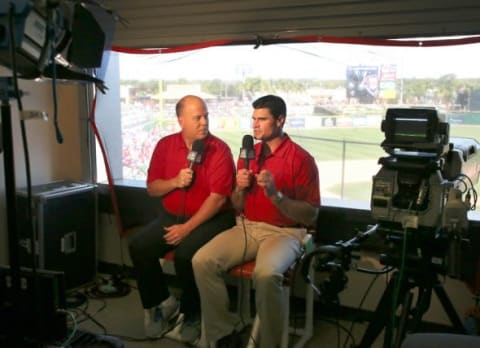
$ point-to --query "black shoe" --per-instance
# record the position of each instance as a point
(233, 340)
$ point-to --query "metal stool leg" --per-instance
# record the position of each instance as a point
(307, 332)
(243, 300)
(286, 318)
(254, 333)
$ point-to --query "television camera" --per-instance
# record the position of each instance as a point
(425, 188)
(420, 200)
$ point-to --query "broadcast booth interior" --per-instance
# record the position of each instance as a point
(58, 41)
(417, 224)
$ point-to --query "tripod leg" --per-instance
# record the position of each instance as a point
(449, 309)
(402, 325)
(423, 303)
(382, 313)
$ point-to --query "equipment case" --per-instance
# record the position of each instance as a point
(64, 220)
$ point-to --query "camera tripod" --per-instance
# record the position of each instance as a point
(419, 272)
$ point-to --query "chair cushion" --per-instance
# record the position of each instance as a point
(169, 255)
(244, 270)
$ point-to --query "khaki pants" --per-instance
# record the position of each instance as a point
(274, 248)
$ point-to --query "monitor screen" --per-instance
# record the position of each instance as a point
(405, 126)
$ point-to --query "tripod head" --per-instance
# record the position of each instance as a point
(336, 260)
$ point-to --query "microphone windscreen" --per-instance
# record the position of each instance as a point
(197, 146)
(247, 142)
(195, 155)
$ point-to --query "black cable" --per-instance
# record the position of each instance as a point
(292, 286)
(111, 288)
(384, 270)
(51, 38)
(76, 299)
(88, 316)
(137, 339)
(95, 321)
(336, 303)
(399, 279)
(84, 310)
(82, 299)
(29, 218)
(360, 307)
(461, 177)
(241, 286)
(340, 326)
(241, 298)
(24, 136)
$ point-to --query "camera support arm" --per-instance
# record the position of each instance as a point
(340, 250)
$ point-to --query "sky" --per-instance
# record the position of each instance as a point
(312, 60)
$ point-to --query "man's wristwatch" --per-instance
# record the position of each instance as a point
(277, 197)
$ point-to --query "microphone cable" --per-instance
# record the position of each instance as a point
(241, 289)
(242, 263)
(180, 218)
(197, 149)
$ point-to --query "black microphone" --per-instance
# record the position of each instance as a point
(246, 152)
(195, 155)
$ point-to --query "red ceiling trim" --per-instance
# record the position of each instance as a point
(308, 38)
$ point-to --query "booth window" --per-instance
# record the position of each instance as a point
(336, 95)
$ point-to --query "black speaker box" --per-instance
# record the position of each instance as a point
(64, 220)
(34, 307)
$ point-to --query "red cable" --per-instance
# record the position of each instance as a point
(111, 186)
(172, 49)
(305, 38)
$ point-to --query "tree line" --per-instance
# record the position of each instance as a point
(443, 90)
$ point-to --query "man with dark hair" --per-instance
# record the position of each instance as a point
(278, 196)
(196, 207)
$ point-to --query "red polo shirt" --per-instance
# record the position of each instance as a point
(296, 176)
(216, 172)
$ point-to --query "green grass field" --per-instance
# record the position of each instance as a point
(327, 144)
(335, 144)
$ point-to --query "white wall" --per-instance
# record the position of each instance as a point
(111, 247)
(49, 160)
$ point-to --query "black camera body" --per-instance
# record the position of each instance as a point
(425, 186)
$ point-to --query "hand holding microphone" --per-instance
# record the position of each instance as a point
(244, 179)
(264, 178)
(185, 176)
(247, 153)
